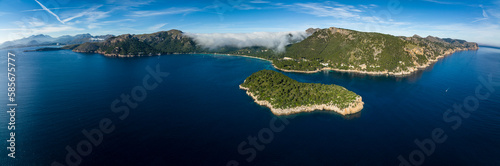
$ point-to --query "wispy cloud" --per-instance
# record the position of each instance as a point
(157, 27)
(361, 13)
(51, 28)
(33, 26)
(92, 13)
(34, 10)
(94, 25)
(484, 14)
(48, 10)
(323, 10)
(246, 7)
(368, 6)
(259, 1)
(129, 3)
(443, 2)
(169, 11)
(3, 13)
(450, 3)
(493, 11)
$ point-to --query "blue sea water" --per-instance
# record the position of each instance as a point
(198, 116)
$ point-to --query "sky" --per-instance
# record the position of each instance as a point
(476, 21)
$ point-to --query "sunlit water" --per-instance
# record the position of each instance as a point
(199, 116)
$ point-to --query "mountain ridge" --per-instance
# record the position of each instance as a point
(44, 40)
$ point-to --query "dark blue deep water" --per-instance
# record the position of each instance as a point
(199, 116)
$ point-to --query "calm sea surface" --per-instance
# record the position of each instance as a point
(198, 116)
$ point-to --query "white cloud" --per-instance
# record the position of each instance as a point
(259, 1)
(34, 10)
(169, 11)
(129, 3)
(48, 10)
(91, 13)
(94, 25)
(33, 26)
(494, 12)
(3, 13)
(361, 15)
(51, 28)
(451, 3)
(245, 7)
(157, 27)
(271, 40)
(324, 10)
(442, 2)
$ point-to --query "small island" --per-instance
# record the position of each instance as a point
(285, 96)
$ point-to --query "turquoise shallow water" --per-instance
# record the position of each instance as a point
(199, 116)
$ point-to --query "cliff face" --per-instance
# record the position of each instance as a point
(367, 52)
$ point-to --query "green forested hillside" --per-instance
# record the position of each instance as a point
(363, 51)
(283, 92)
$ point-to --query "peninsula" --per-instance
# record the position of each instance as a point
(284, 95)
(366, 52)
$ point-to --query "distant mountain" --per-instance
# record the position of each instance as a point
(41, 40)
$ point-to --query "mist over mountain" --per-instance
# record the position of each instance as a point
(271, 40)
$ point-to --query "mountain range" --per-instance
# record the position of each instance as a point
(43, 40)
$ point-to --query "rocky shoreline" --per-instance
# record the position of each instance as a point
(402, 73)
(351, 109)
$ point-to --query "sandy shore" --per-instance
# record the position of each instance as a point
(354, 107)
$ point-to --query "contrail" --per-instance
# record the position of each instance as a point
(48, 10)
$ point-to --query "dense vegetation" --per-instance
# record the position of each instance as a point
(347, 49)
(283, 92)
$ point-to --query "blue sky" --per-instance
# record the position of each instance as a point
(477, 21)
